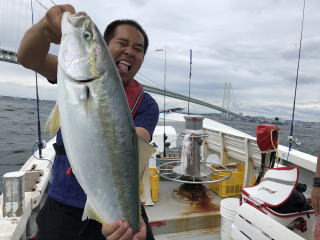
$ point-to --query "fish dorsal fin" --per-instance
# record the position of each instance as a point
(145, 150)
(53, 122)
(89, 213)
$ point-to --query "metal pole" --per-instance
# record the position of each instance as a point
(164, 101)
(164, 98)
(190, 78)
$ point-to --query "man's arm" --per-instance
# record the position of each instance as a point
(315, 194)
(143, 133)
(34, 48)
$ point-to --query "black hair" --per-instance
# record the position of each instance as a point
(111, 28)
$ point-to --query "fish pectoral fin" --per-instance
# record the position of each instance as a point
(89, 213)
(53, 122)
(145, 150)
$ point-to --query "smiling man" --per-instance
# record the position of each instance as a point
(60, 218)
(121, 35)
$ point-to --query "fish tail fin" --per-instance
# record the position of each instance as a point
(145, 150)
(146, 194)
(53, 122)
(89, 213)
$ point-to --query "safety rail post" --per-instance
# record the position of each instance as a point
(248, 164)
(222, 153)
(13, 194)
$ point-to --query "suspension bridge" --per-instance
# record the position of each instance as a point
(15, 21)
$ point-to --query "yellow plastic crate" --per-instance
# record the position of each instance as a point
(232, 186)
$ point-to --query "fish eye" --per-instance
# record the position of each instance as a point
(87, 35)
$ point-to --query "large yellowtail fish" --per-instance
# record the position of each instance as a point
(96, 123)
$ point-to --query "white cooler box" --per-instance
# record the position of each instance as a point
(252, 224)
(275, 190)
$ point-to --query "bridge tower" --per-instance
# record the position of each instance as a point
(226, 100)
(8, 56)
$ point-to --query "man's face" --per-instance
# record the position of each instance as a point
(127, 50)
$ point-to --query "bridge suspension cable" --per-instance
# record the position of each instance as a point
(15, 18)
(186, 98)
(145, 77)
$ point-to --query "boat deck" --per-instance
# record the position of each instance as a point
(173, 218)
(203, 234)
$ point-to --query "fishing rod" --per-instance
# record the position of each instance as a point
(39, 143)
(164, 102)
(42, 5)
(190, 74)
(45, 7)
(290, 138)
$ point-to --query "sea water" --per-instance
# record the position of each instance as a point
(18, 131)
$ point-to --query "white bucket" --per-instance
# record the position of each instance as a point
(228, 211)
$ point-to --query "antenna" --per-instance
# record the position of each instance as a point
(190, 78)
(164, 98)
(164, 101)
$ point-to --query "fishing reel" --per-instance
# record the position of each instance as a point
(292, 140)
(42, 144)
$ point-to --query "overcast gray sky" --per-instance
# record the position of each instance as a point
(251, 44)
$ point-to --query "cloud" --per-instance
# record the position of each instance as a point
(20, 82)
(251, 44)
(139, 3)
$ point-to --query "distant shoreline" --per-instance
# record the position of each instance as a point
(258, 119)
(24, 98)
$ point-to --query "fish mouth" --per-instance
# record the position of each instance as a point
(77, 19)
(82, 77)
(83, 81)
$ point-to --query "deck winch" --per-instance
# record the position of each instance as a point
(191, 168)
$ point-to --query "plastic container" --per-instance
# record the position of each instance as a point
(154, 184)
(232, 186)
(228, 211)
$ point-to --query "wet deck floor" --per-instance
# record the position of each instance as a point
(173, 218)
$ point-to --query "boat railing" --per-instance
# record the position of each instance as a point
(36, 174)
(234, 147)
(229, 144)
